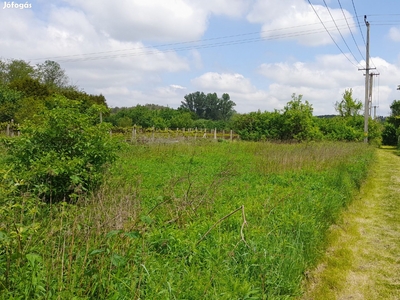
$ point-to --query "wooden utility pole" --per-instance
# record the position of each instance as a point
(366, 104)
(371, 84)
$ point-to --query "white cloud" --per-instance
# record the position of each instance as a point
(394, 34)
(328, 71)
(324, 81)
(300, 21)
(157, 20)
(246, 96)
(232, 8)
(223, 82)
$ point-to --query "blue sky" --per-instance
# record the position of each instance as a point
(258, 51)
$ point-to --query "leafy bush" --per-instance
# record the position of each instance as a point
(389, 135)
(62, 152)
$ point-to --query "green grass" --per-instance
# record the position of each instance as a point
(363, 257)
(198, 220)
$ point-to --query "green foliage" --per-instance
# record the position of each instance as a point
(342, 129)
(391, 131)
(30, 88)
(294, 122)
(209, 106)
(389, 134)
(14, 69)
(9, 103)
(51, 74)
(348, 107)
(61, 153)
(297, 120)
(266, 208)
(258, 126)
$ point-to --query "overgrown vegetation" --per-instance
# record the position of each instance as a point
(296, 122)
(391, 131)
(228, 220)
(61, 152)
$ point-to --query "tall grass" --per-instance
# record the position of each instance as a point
(198, 220)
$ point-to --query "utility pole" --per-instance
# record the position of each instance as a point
(371, 84)
(367, 68)
(366, 109)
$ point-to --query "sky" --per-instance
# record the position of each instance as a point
(260, 52)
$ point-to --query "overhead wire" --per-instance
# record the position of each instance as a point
(333, 19)
(358, 21)
(185, 45)
(179, 43)
(216, 42)
(348, 25)
(322, 22)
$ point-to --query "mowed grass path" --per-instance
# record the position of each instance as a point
(363, 259)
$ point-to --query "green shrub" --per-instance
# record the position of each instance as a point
(62, 152)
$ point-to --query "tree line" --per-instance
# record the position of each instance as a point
(27, 90)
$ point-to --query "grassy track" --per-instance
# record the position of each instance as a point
(363, 261)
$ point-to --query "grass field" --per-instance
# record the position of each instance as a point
(362, 261)
(202, 220)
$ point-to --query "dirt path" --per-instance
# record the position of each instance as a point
(363, 258)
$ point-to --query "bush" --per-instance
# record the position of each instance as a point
(62, 152)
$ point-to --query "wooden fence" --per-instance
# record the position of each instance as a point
(145, 135)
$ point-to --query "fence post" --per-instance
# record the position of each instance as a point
(215, 133)
(231, 135)
(8, 130)
(134, 133)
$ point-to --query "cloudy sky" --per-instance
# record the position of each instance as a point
(258, 51)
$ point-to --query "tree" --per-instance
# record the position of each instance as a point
(51, 74)
(15, 69)
(297, 120)
(209, 106)
(212, 107)
(196, 103)
(348, 106)
(226, 107)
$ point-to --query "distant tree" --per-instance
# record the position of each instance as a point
(51, 74)
(14, 69)
(212, 107)
(209, 106)
(298, 121)
(348, 106)
(226, 107)
(196, 103)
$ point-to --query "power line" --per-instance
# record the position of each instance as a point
(186, 45)
(330, 33)
(358, 21)
(329, 11)
(344, 15)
